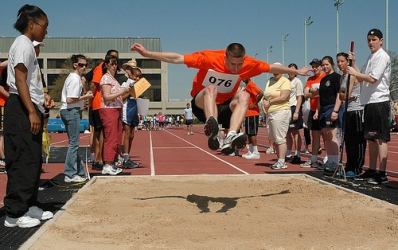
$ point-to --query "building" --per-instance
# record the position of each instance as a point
(57, 50)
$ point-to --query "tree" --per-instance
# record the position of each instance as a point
(394, 76)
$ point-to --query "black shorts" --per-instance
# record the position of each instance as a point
(313, 124)
(224, 112)
(376, 121)
(95, 120)
(298, 124)
(251, 125)
(189, 122)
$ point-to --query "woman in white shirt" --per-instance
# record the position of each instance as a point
(72, 102)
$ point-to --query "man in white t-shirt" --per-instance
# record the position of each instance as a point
(375, 95)
(188, 119)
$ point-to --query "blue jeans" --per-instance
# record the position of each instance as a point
(73, 164)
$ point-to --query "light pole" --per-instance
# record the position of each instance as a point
(307, 22)
(283, 48)
(386, 25)
(337, 3)
(269, 50)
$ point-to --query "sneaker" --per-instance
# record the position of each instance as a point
(38, 213)
(253, 156)
(319, 165)
(111, 170)
(247, 154)
(191, 133)
(350, 174)
(270, 151)
(367, 175)
(234, 142)
(296, 160)
(319, 151)
(305, 151)
(3, 171)
(75, 178)
(120, 160)
(130, 164)
(378, 179)
(309, 164)
(330, 166)
(97, 166)
(279, 165)
(288, 159)
(2, 163)
(211, 131)
(24, 221)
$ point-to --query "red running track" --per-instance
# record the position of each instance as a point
(173, 152)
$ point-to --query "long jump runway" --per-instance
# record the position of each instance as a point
(185, 196)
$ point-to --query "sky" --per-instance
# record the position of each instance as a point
(186, 26)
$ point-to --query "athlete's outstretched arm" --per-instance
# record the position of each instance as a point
(169, 57)
(280, 69)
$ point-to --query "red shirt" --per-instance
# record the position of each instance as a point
(313, 82)
(253, 90)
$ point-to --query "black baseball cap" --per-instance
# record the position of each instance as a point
(316, 61)
(375, 32)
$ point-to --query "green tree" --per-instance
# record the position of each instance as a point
(394, 75)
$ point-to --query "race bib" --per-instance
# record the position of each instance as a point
(225, 82)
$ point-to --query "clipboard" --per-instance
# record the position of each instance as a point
(139, 87)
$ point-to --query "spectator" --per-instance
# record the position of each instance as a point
(276, 106)
(72, 102)
(375, 78)
(188, 119)
(23, 116)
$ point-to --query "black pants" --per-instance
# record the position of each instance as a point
(23, 158)
(355, 143)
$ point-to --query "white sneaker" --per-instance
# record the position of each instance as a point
(191, 133)
(279, 165)
(75, 178)
(24, 221)
(253, 156)
(247, 154)
(111, 170)
(188, 133)
(38, 213)
(270, 151)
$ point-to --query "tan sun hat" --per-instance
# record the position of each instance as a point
(132, 63)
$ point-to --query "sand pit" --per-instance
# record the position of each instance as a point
(220, 212)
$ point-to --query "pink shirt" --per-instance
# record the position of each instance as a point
(115, 88)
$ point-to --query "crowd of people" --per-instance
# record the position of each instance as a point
(353, 108)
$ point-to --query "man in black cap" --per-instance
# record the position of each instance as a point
(375, 95)
(311, 91)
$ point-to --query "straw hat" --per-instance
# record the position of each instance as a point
(132, 63)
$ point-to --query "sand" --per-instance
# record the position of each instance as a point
(220, 212)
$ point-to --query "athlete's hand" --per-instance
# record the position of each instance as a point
(140, 49)
(304, 71)
(35, 123)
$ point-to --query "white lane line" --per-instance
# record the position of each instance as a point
(151, 154)
(218, 158)
(171, 147)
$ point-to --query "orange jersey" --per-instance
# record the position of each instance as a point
(313, 82)
(97, 75)
(253, 91)
(212, 70)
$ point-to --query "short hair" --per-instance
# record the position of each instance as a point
(236, 50)
(75, 58)
(27, 13)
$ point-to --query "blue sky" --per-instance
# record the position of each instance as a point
(193, 25)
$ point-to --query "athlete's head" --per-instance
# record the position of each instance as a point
(234, 57)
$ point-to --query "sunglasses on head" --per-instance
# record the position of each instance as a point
(81, 65)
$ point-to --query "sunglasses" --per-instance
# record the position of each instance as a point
(113, 63)
(81, 65)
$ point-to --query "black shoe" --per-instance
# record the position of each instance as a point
(288, 159)
(319, 151)
(130, 164)
(367, 175)
(378, 179)
(96, 166)
(211, 131)
(296, 160)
